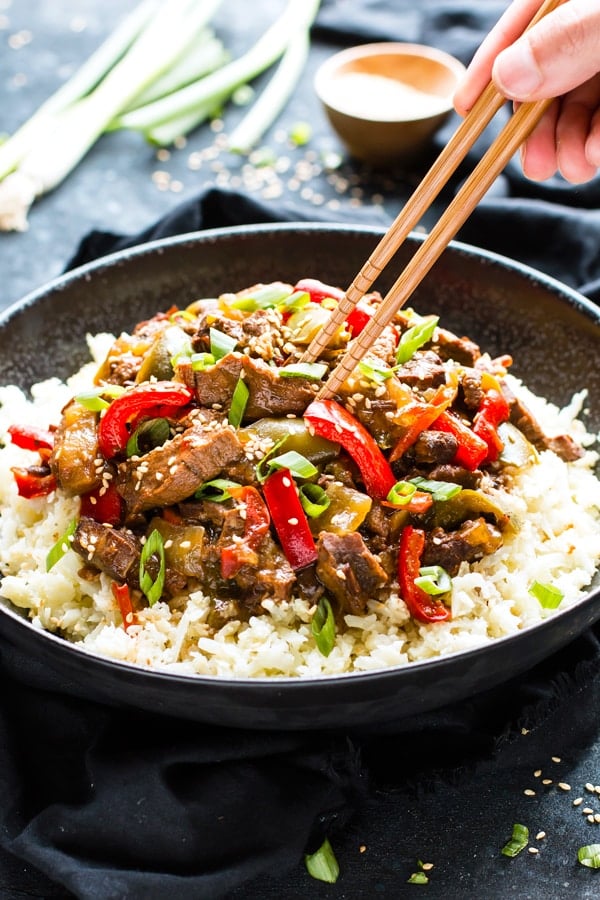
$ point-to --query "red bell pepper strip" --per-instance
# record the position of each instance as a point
(144, 399)
(420, 604)
(493, 410)
(317, 290)
(104, 504)
(359, 317)
(330, 420)
(34, 481)
(257, 523)
(472, 450)
(289, 519)
(30, 437)
(122, 595)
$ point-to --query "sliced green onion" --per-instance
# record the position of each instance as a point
(263, 468)
(440, 490)
(322, 864)
(62, 545)
(323, 627)
(239, 401)
(589, 856)
(216, 490)
(433, 580)
(300, 133)
(518, 841)
(297, 300)
(299, 465)
(415, 337)
(153, 548)
(150, 434)
(312, 371)
(548, 596)
(401, 493)
(268, 295)
(375, 373)
(418, 878)
(94, 398)
(221, 344)
(201, 361)
(314, 499)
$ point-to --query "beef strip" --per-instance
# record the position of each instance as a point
(467, 478)
(113, 551)
(461, 349)
(433, 448)
(471, 388)
(563, 445)
(349, 570)
(172, 472)
(269, 394)
(423, 370)
(474, 539)
(260, 333)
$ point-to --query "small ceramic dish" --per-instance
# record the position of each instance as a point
(387, 100)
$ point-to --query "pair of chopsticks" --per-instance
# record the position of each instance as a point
(516, 131)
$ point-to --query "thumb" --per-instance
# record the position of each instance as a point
(556, 55)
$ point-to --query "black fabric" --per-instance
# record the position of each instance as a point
(112, 804)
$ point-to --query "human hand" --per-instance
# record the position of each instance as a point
(558, 57)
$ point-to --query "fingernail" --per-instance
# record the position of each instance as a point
(516, 72)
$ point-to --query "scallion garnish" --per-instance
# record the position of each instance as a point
(401, 493)
(153, 556)
(433, 580)
(216, 490)
(314, 499)
(150, 434)
(518, 841)
(268, 295)
(375, 373)
(300, 133)
(297, 300)
(221, 344)
(322, 864)
(299, 465)
(323, 627)
(312, 371)
(94, 399)
(548, 596)
(201, 361)
(62, 545)
(239, 400)
(263, 468)
(440, 490)
(589, 856)
(414, 338)
(418, 878)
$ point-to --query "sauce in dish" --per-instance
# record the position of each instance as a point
(381, 98)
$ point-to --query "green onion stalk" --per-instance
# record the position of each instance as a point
(73, 128)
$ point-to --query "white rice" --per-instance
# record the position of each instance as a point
(554, 505)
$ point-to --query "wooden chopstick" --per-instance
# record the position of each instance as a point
(469, 130)
(519, 127)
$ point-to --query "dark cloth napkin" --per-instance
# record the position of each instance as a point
(113, 804)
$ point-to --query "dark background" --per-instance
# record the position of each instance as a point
(445, 789)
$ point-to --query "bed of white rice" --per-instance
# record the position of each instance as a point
(555, 507)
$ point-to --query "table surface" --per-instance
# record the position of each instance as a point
(123, 185)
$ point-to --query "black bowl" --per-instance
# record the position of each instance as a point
(551, 331)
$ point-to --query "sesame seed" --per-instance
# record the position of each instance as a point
(587, 811)
(591, 819)
(537, 773)
(362, 848)
(529, 793)
(168, 544)
(159, 476)
(556, 759)
(427, 867)
(564, 786)
(185, 545)
(578, 801)
(293, 521)
(540, 836)
(533, 850)
(286, 482)
(546, 781)
(596, 817)
(589, 787)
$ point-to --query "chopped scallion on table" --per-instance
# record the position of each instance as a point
(322, 864)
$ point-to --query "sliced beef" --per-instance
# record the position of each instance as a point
(113, 551)
(474, 539)
(423, 370)
(563, 445)
(461, 349)
(259, 333)
(349, 570)
(269, 394)
(457, 474)
(471, 388)
(172, 472)
(75, 450)
(271, 577)
(433, 448)
(384, 348)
